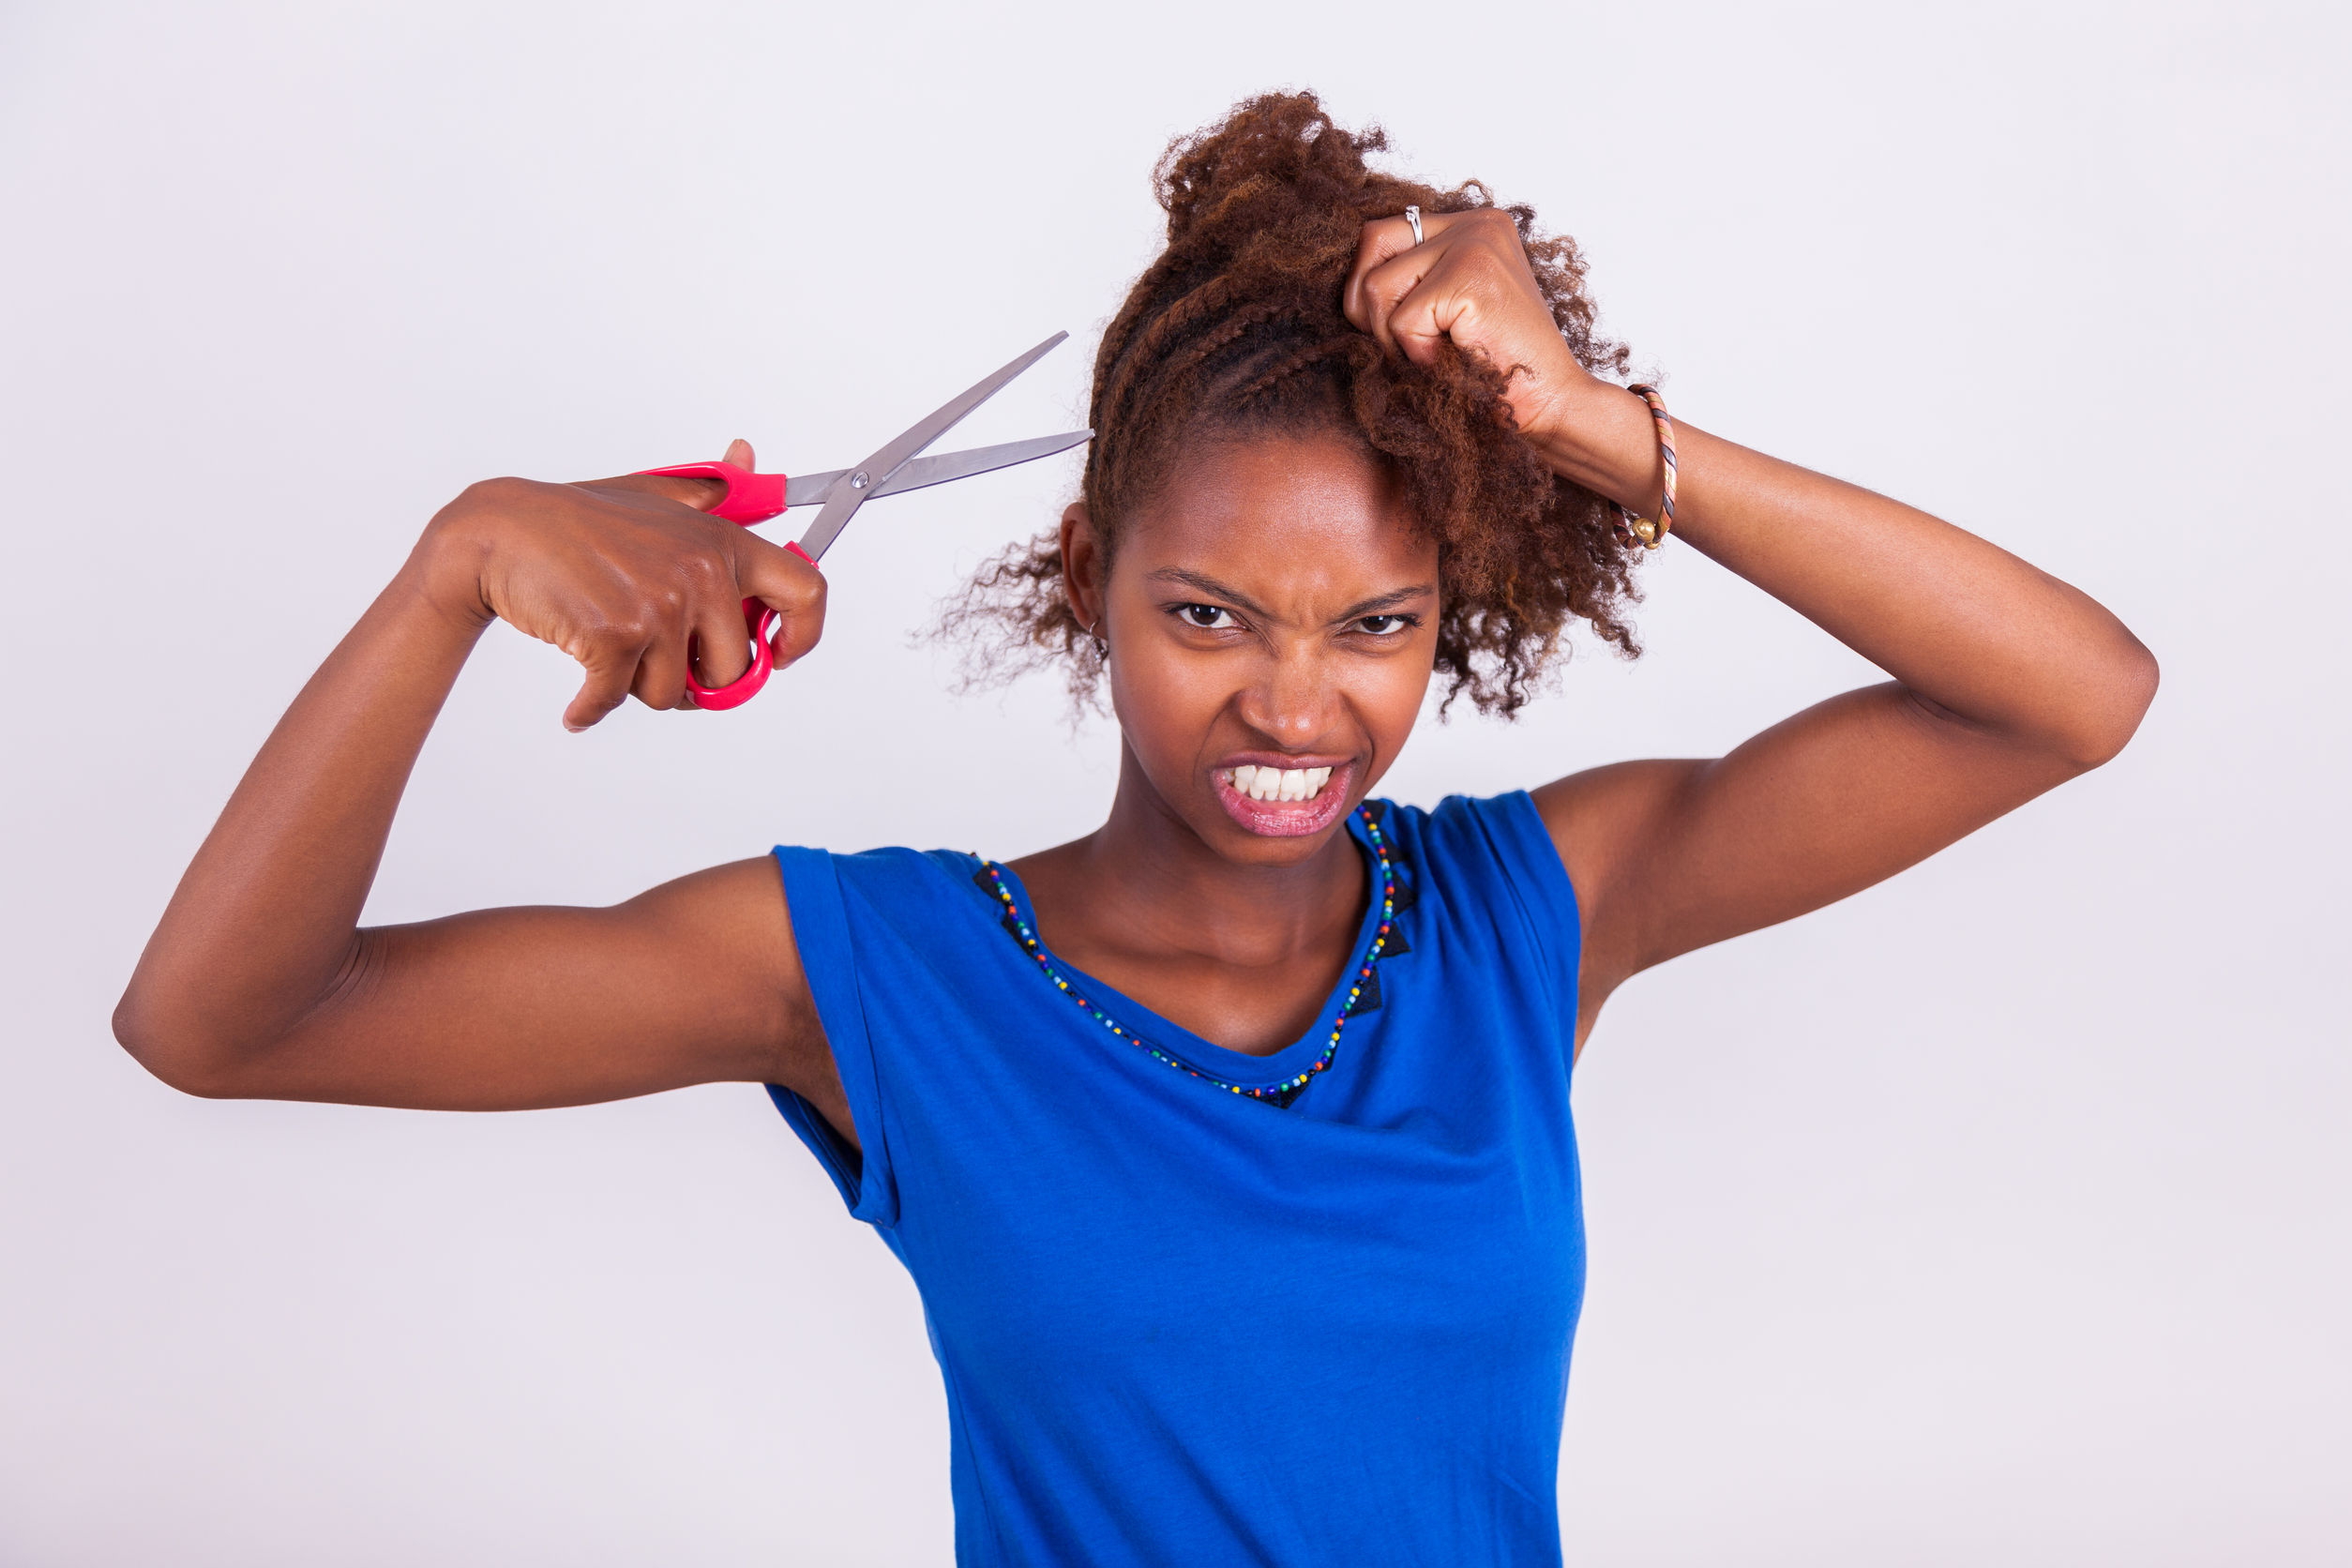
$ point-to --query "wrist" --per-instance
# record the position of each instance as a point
(1602, 437)
(445, 570)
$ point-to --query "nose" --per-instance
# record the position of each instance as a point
(1289, 701)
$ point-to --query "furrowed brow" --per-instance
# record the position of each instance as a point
(1202, 582)
(1386, 602)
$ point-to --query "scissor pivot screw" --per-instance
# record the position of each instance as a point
(859, 480)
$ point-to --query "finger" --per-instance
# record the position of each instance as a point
(712, 647)
(722, 642)
(700, 494)
(788, 585)
(611, 667)
(659, 681)
(1382, 239)
(1435, 309)
(1386, 287)
(703, 494)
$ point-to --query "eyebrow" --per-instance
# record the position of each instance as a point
(1386, 601)
(1204, 584)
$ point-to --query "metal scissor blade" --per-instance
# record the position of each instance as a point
(810, 489)
(843, 500)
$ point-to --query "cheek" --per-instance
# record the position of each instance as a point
(1164, 698)
(1170, 700)
(1387, 696)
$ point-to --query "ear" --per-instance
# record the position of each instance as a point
(1082, 565)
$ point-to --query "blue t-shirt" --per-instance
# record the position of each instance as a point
(1180, 1325)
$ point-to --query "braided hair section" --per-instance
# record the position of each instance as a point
(1236, 331)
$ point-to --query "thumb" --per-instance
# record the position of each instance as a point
(687, 490)
(703, 494)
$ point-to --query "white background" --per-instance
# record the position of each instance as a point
(1996, 1216)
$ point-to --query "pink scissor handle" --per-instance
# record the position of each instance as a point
(750, 498)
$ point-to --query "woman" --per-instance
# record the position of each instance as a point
(1229, 1145)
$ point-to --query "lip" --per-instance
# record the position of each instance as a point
(1285, 818)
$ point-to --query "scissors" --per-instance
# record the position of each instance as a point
(895, 469)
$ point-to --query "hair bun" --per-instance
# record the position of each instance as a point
(1275, 160)
(1237, 330)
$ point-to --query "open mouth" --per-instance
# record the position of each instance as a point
(1282, 802)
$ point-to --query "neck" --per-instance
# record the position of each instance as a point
(1151, 882)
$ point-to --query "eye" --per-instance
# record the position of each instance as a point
(1385, 625)
(1206, 617)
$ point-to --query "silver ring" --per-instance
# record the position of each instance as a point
(1412, 217)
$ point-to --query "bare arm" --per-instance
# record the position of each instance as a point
(2007, 681)
(259, 981)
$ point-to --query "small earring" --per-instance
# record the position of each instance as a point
(1102, 648)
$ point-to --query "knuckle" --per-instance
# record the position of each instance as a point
(618, 634)
(502, 491)
(657, 694)
(805, 604)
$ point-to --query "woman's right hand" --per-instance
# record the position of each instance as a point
(630, 576)
(259, 981)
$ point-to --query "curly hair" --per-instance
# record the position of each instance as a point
(1236, 330)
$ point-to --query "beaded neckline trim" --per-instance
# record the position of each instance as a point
(1280, 1094)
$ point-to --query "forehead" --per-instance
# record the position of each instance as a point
(1280, 514)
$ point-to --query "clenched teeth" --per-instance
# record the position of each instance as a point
(1278, 783)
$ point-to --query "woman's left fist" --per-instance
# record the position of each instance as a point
(1468, 280)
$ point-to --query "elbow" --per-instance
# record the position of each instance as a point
(177, 1054)
(2114, 699)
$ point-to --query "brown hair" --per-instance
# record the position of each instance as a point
(1236, 330)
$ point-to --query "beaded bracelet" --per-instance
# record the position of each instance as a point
(1640, 530)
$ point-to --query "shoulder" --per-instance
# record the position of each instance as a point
(890, 887)
(892, 866)
(1486, 883)
(1473, 836)
(1479, 849)
(878, 911)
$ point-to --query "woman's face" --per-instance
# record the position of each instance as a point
(1271, 618)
